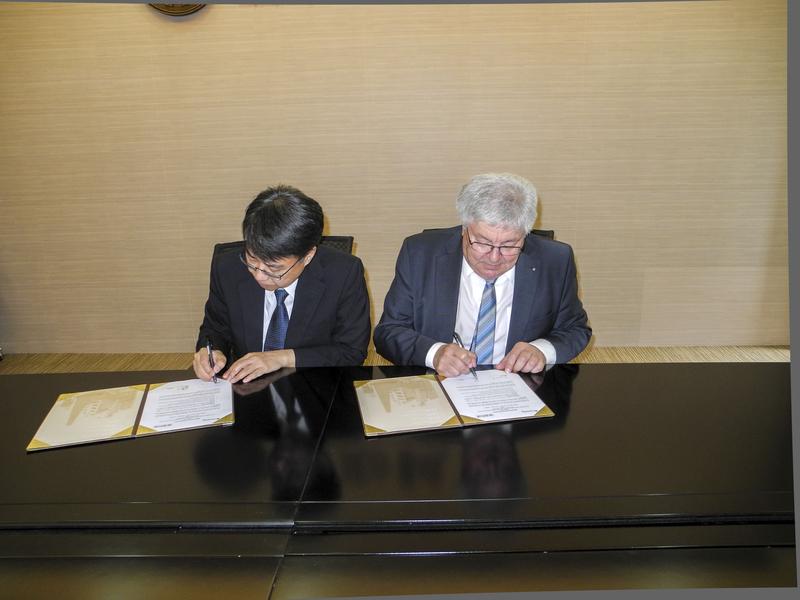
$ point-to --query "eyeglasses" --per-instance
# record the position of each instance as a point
(482, 248)
(267, 273)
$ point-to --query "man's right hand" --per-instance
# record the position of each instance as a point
(452, 360)
(202, 368)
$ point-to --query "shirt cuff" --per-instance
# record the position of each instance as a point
(431, 353)
(547, 349)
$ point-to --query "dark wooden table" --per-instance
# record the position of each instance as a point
(649, 476)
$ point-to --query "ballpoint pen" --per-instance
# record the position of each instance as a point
(457, 338)
(210, 351)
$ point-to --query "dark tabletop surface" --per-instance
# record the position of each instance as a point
(672, 442)
(294, 501)
(249, 474)
(677, 441)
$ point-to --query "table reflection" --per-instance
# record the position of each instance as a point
(279, 419)
(490, 463)
(478, 462)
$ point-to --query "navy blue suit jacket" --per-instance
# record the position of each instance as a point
(420, 307)
(330, 322)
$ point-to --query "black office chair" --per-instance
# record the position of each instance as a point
(545, 233)
(340, 242)
(224, 247)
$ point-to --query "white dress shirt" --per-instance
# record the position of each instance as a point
(470, 293)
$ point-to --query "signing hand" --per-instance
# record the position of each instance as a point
(202, 367)
(523, 358)
(256, 364)
(452, 360)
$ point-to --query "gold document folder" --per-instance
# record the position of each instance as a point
(422, 402)
(122, 412)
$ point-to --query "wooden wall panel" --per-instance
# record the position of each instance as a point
(130, 143)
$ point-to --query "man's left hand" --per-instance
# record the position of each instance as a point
(523, 358)
(256, 364)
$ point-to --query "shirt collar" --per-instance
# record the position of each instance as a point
(469, 274)
(290, 289)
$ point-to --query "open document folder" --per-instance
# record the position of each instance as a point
(428, 402)
(133, 411)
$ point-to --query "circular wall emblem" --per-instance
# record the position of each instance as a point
(177, 10)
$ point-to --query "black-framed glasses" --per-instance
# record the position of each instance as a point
(267, 273)
(483, 248)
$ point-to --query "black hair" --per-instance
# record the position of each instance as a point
(282, 222)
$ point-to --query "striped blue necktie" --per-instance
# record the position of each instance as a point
(278, 324)
(484, 328)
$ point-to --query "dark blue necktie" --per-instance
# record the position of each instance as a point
(276, 332)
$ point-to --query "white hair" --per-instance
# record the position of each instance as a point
(499, 199)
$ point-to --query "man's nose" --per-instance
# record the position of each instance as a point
(495, 253)
(262, 277)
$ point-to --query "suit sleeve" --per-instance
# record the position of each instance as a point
(350, 335)
(215, 321)
(396, 336)
(571, 331)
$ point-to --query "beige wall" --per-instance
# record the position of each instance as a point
(130, 143)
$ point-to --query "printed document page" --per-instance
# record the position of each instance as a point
(494, 396)
(185, 405)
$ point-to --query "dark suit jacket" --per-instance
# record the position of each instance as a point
(330, 322)
(420, 307)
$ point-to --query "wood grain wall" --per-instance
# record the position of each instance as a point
(131, 142)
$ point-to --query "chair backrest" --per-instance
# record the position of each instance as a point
(224, 247)
(545, 233)
(340, 242)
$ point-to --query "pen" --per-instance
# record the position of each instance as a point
(210, 351)
(457, 338)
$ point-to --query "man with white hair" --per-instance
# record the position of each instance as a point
(511, 297)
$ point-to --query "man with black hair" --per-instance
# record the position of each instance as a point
(284, 300)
